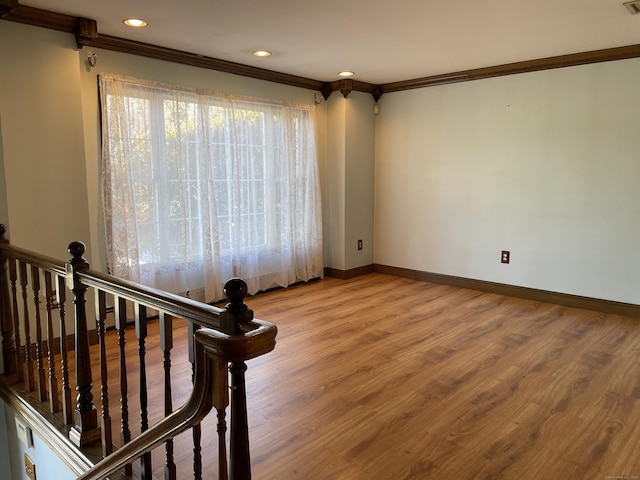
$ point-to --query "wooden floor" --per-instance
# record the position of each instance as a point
(384, 378)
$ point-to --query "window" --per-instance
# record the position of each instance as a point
(199, 188)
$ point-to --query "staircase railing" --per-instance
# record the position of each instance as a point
(38, 346)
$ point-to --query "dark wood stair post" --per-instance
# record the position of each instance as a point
(85, 428)
(239, 457)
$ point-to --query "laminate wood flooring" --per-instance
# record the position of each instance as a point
(384, 378)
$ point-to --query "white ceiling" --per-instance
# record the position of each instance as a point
(382, 41)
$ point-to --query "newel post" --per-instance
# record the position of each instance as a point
(239, 458)
(85, 428)
(9, 351)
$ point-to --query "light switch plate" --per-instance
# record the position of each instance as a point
(24, 433)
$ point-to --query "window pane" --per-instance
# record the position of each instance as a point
(182, 156)
(144, 202)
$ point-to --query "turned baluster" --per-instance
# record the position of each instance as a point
(13, 277)
(28, 359)
(9, 353)
(61, 297)
(166, 344)
(101, 316)
(223, 468)
(196, 430)
(141, 335)
(85, 417)
(197, 451)
(42, 374)
(54, 403)
(120, 312)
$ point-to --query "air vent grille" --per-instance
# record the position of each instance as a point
(633, 7)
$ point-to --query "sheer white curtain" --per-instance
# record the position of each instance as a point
(198, 188)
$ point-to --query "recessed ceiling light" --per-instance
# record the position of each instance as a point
(135, 22)
(262, 53)
(346, 74)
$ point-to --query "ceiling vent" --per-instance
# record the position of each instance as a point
(633, 7)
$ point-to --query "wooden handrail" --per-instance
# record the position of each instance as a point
(218, 351)
(40, 261)
(203, 314)
(214, 350)
(180, 307)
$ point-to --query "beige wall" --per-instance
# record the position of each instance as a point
(42, 132)
(544, 164)
(348, 199)
(334, 191)
(359, 179)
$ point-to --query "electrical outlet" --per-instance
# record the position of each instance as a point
(359, 244)
(29, 467)
(506, 254)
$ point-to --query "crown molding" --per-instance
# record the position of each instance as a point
(86, 34)
(571, 60)
(122, 45)
(6, 6)
(37, 17)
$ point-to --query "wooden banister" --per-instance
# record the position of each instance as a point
(175, 305)
(220, 342)
(213, 350)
